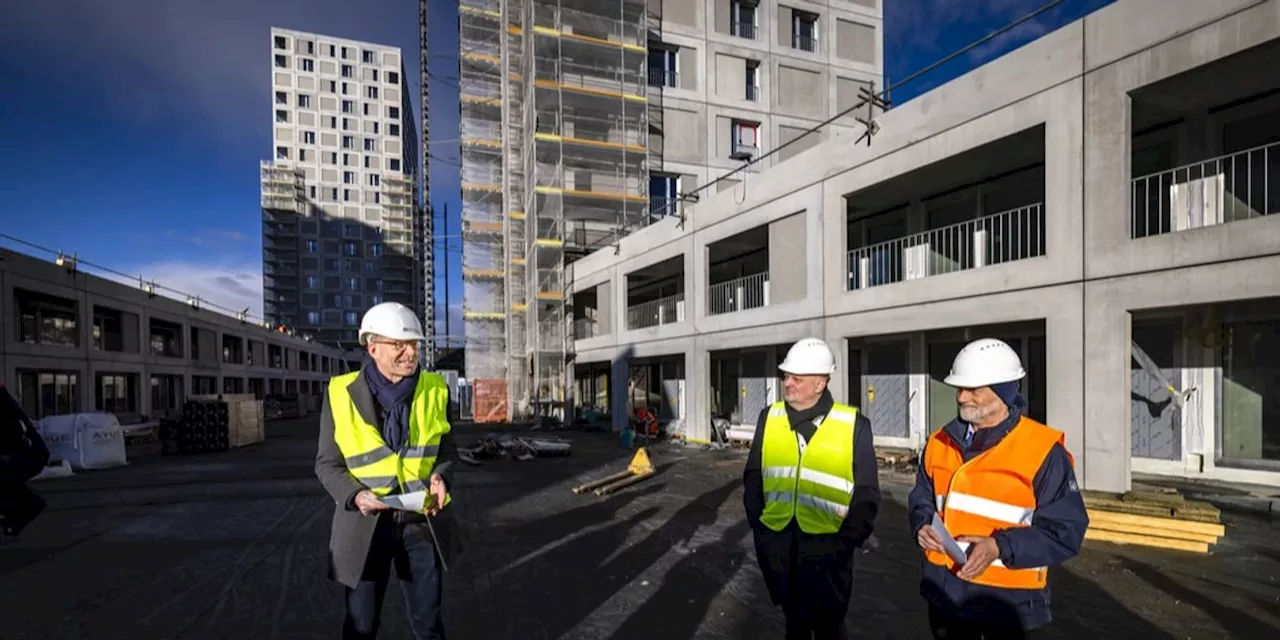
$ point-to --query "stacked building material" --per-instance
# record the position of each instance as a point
(204, 427)
(1158, 518)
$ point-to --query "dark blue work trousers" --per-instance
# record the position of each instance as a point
(407, 548)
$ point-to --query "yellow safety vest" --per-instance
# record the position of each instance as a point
(367, 455)
(814, 487)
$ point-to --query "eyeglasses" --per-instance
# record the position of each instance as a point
(398, 345)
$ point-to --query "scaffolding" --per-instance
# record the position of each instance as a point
(284, 202)
(554, 137)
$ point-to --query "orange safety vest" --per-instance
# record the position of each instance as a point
(991, 492)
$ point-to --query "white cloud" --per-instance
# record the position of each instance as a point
(231, 286)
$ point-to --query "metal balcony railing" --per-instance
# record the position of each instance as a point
(1016, 234)
(743, 30)
(660, 207)
(1238, 186)
(584, 328)
(663, 78)
(753, 92)
(739, 294)
(656, 312)
(804, 42)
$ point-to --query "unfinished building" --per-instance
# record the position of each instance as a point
(553, 128)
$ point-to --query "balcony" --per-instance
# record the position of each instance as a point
(743, 30)
(739, 294)
(655, 313)
(1228, 188)
(584, 328)
(1205, 149)
(1016, 234)
(663, 78)
(804, 42)
(753, 93)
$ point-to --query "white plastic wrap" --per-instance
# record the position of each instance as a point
(85, 440)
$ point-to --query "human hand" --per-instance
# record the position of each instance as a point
(981, 554)
(368, 502)
(438, 493)
(929, 540)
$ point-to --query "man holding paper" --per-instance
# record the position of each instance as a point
(384, 455)
(995, 505)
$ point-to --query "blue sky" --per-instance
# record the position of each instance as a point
(134, 129)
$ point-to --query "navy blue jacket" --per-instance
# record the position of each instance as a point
(1055, 536)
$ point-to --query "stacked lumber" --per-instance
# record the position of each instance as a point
(1153, 518)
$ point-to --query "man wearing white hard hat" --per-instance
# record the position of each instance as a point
(1002, 486)
(384, 431)
(811, 492)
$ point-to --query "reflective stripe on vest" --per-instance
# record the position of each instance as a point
(366, 453)
(813, 487)
(993, 491)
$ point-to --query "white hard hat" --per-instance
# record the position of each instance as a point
(985, 362)
(810, 356)
(390, 320)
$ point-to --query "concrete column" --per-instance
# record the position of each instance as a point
(787, 275)
(918, 426)
(697, 387)
(619, 376)
(1104, 436)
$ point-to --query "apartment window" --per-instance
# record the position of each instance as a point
(282, 115)
(48, 392)
(313, 246)
(662, 67)
(304, 101)
(370, 268)
(377, 284)
(311, 48)
(367, 108)
(331, 122)
(348, 142)
(331, 86)
(351, 318)
(282, 153)
(313, 282)
(348, 71)
(348, 177)
(375, 75)
(350, 248)
(282, 98)
(366, 57)
(370, 144)
(313, 193)
(663, 190)
(393, 113)
(282, 62)
(309, 137)
(393, 77)
(348, 106)
(333, 51)
(351, 231)
(281, 42)
(313, 317)
(393, 129)
(375, 250)
(346, 160)
(333, 194)
(743, 16)
(368, 162)
(804, 30)
(308, 65)
(348, 124)
(346, 53)
(375, 180)
(375, 128)
(753, 80)
(371, 92)
(331, 157)
(302, 155)
(393, 164)
(353, 284)
(346, 195)
(746, 139)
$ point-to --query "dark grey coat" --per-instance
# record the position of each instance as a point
(351, 532)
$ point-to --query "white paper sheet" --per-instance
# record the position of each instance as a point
(416, 501)
(952, 547)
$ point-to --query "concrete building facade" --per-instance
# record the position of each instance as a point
(343, 228)
(75, 342)
(1101, 199)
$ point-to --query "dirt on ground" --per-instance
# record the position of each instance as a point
(234, 545)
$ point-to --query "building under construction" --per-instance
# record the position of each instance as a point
(553, 127)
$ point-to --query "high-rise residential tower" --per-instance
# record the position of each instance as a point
(583, 120)
(342, 225)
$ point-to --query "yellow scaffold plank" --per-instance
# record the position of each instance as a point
(548, 84)
(550, 295)
(517, 215)
(481, 226)
(483, 142)
(478, 100)
(482, 273)
(548, 242)
(467, 8)
(483, 315)
(482, 57)
(542, 188)
(551, 137)
(556, 33)
(608, 195)
(466, 186)
(519, 307)
(519, 262)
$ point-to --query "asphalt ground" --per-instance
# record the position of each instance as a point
(233, 546)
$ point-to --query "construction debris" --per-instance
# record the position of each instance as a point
(504, 445)
(1161, 518)
(639, 469)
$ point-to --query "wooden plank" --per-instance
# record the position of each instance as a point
(1146, 541)
(1191, 510)
(1204, 528)
(1158, 532)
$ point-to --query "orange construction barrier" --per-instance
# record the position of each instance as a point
(489, 402)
